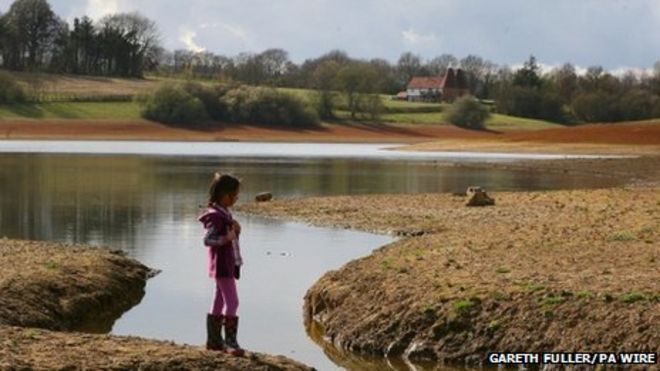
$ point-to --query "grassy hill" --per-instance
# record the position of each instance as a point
(94, 97)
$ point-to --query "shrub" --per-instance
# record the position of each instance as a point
(190, 102)
(210, 96)
(267, 106)
(372, 106)
(468, 112)
(324, 101)
(10, 90)
(172, 104)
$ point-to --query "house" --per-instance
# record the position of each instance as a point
(437, 89)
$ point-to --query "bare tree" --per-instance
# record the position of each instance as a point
(274, 62)
(566, 82)
(438, 66)
(325, 83)
(409, 65)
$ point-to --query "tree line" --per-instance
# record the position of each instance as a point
(34, 38)
(560, 95)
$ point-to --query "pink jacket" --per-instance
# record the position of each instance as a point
(223, 255)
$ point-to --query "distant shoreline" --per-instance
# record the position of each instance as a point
(640, 138)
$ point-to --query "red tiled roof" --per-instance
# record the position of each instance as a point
(426, 83)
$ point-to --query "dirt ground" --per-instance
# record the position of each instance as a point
(539, 271)
(148, 130)
(587, 138)
(47, 286)
(29, 349)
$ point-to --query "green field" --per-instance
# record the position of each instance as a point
(64, 97)
(71, 110)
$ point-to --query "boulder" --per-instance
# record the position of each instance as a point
(263, 197)
(477, 196)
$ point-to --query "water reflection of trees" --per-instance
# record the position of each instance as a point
(110, 199)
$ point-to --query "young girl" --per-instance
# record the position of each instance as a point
(221, 238)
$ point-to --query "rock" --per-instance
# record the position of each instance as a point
(263, 197)
(478, 197)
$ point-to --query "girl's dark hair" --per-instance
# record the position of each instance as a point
(222, 184)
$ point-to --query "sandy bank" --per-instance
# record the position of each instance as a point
(47, 286)
(540, 271)
(612, 138)
(60, 287)
(27, 348)
(148, 130)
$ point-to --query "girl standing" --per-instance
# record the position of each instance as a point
(221, 238)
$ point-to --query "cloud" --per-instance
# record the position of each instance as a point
(413, 37)
(235, 31)
(96, 9)
(187, 37)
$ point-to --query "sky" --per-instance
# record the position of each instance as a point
(615, 34)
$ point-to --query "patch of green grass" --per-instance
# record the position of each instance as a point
(31, 334)
(494, 325)
(553, 300)
(499, 296)
(622, 236)
(386, 264)
(415, 118)
(532, 286)
(585, 294)
(71, 110)
(499, 121)
(51, 265)
(632, 297)
(462, 306)
(646, 230)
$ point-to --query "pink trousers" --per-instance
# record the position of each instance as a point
(225, 297)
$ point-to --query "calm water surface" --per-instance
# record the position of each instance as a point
(147, 206)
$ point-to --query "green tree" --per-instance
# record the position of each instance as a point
(324, 82)
(528, 75)
(29, 33)
(2, 36)
(129, 39)
(357, 80)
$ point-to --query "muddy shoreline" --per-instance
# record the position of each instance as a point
(50, 292)
(595, 138)
(539, 271)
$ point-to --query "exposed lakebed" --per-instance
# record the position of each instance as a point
(144, 197)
